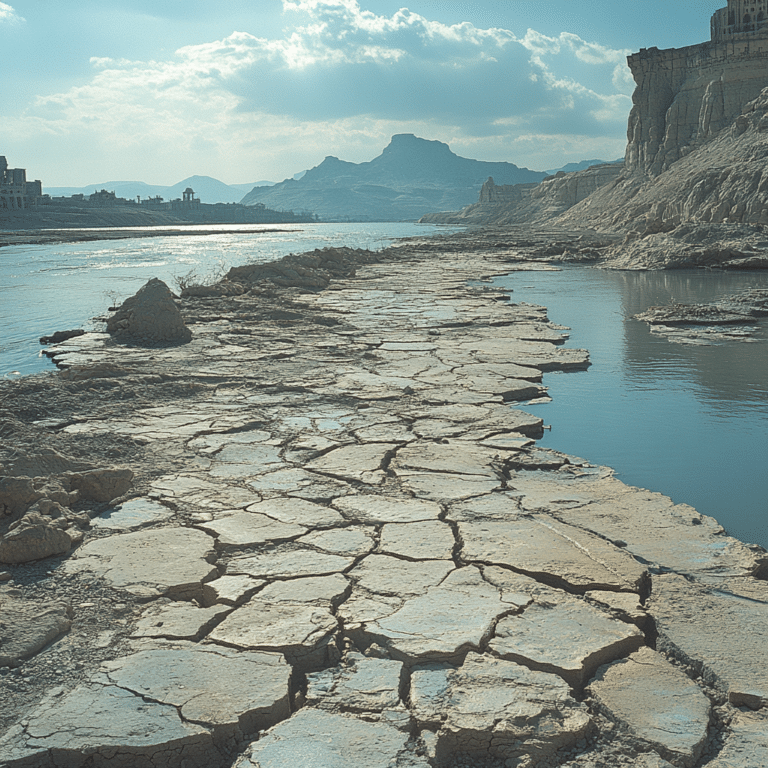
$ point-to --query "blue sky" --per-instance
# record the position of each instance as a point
(243, 90)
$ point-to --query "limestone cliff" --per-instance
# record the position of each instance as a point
(695, 163)
(518, 203)
(685, 96)
(723, 180)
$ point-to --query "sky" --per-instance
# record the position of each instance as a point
(247, 90)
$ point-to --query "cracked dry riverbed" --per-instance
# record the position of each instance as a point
(343, 548)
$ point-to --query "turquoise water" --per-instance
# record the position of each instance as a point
(48, 288)
(688, 421)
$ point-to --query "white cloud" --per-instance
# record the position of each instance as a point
(340, 81)
(8, 15)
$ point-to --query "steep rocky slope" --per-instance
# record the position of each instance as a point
(693, 190)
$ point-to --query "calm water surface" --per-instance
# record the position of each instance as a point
(48, 288)
(688, 421)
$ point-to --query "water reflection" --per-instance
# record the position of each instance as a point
(734, 373)
(688, 421)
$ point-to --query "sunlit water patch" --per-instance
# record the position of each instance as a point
(48, 288)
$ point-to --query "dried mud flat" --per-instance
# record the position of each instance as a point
(341, 546)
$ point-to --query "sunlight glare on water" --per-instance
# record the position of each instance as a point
(49, 288)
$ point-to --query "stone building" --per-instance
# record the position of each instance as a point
(103, 197)
(741, 17)
(16, 193)
(685, 96)
(187, 202)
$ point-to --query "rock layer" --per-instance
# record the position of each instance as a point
(344, 537)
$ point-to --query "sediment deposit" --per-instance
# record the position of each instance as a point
(335, 542)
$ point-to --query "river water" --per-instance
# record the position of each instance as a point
(688, 421)
(48, 288)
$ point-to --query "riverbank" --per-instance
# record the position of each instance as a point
(85, 235)
(340, 528)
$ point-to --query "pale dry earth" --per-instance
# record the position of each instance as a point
(336, 543)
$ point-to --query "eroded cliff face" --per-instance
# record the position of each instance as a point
(520, 203)
(684, 97)
(722, 181)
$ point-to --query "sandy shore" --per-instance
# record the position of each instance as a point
(336, 542)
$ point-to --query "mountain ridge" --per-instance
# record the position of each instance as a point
(412, 176)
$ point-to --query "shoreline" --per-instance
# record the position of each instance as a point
(347, 466)
(88, 234)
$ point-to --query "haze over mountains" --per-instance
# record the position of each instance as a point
(410, 178)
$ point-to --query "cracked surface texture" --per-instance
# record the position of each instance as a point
(342, 547)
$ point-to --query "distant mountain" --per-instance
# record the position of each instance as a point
(207, 189)
(410, 178)
(583, 165)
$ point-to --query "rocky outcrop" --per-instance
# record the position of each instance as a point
(518, 203)
(312, 271)
(37, 518)
(732, 318)
(149, 317)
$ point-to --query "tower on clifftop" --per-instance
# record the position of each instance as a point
(740, 18)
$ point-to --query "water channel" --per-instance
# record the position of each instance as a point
(688, 421)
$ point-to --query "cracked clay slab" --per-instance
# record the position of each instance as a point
(171, 561)
(319, 738)
(444, 623)
(658, 702)
(551, 550)
(490, 708)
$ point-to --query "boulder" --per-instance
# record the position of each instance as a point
(17, 494)
(102, 484)
(33, 538)
(150, 316)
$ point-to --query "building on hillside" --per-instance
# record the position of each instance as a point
(685, 96)
(16, 193)
(186, 202)
(103, 197)
(155, 202)
(741, 17)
